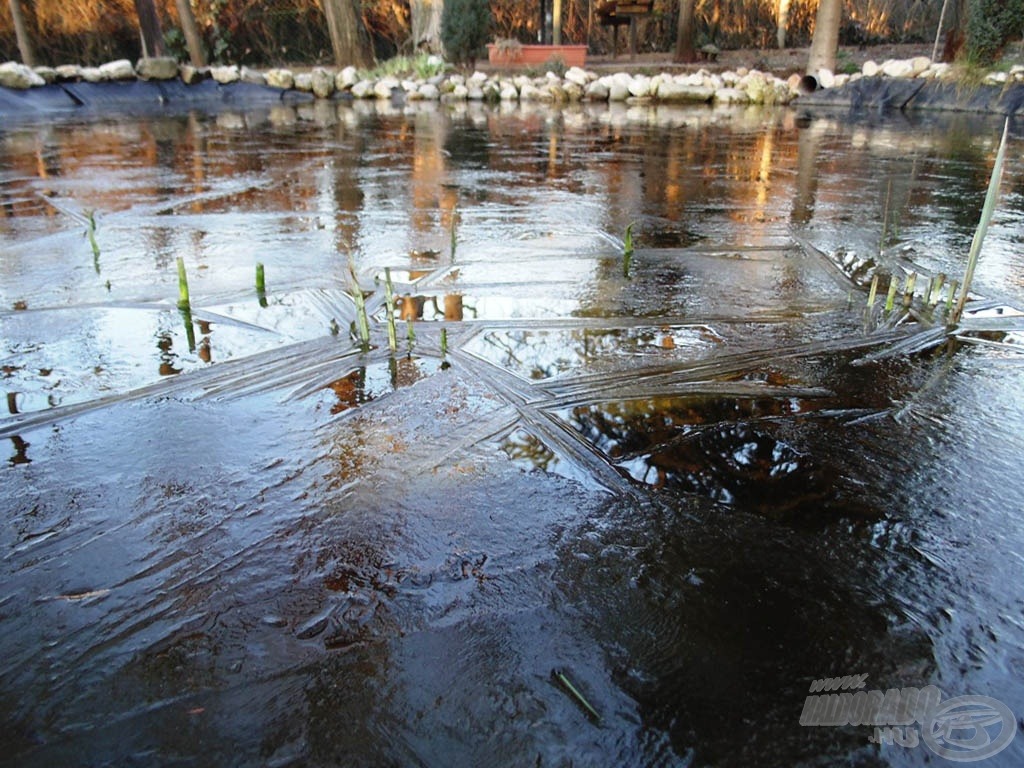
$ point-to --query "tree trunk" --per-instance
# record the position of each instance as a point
(191, 31)
(349, 39)
(149, 26)
(28, 54)
(685, 52)
(782, 22)
(556, 22)
(425, 20)
(825, 42)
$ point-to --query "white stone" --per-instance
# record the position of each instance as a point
(731, 96)
(578, 76)
(617, 91)
(597, 90)
(69, 72)
(191, 75)
(322, 82)
(919, 65)
(250, 75)
(870, 69)
(530, 92)
(384, 87)
(18, 76)
(573, 91)
(673, 91)
(304, 82)
(92, 74)
(840, 81)
(996, 78)
(475, 92)
(280, 78)
(345, 79)
(360, 90)
(478, 78)
(826, 78)
(49, 74)
(429, 92)
(121, 69)
(730, 78)
(897, 68)
(509, 92)
(225, 75)
(459, 93)
(157, 68)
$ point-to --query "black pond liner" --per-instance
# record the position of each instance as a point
(141, 97)
(887, 94)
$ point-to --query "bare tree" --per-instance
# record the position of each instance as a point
(825, 42)
(349, 39)
(425, 21)
(685, 32)
(28, 54)
(149, 26)
(782, 21)
(191, 31)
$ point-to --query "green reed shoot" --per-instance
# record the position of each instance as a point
(890, 297)
(184, 304)
(908, 289)
(261, 284)
(389, 310)
(935, 290)
(410, 335)
(991, 198)
(362, 319)
(91, 232)
(873, 293)
(444, 342)
(627, 250)
(455, 232)
(560, 677)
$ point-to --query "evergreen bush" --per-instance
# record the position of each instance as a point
(465, 28)
(991, 24)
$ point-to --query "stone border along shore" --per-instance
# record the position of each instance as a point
(896, 83)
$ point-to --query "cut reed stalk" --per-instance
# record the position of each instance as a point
(184, 303)
(261, 284)
(389, 310)
(991, 197)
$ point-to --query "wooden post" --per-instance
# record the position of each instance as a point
(632, 38)
(28, 54)
(191, 31)
(556, 22)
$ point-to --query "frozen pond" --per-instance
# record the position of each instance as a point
(693, 483)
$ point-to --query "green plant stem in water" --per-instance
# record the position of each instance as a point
(362, 320)
(991, 197)
(890, 297)
(455, 232)
(410, 335)
(873, 293)
(389, 310)
(560, 677)
(261, 284)
(184, 303)
(908, 289)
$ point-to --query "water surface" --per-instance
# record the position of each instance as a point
(695, 485)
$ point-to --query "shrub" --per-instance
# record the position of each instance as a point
(991, 24)
(465, 28)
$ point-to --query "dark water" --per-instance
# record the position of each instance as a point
(236, 538)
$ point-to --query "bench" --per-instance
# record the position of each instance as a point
(617, 13)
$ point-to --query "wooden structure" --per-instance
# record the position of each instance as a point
(618, 13)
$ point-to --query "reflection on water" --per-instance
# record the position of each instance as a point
(696, 489)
